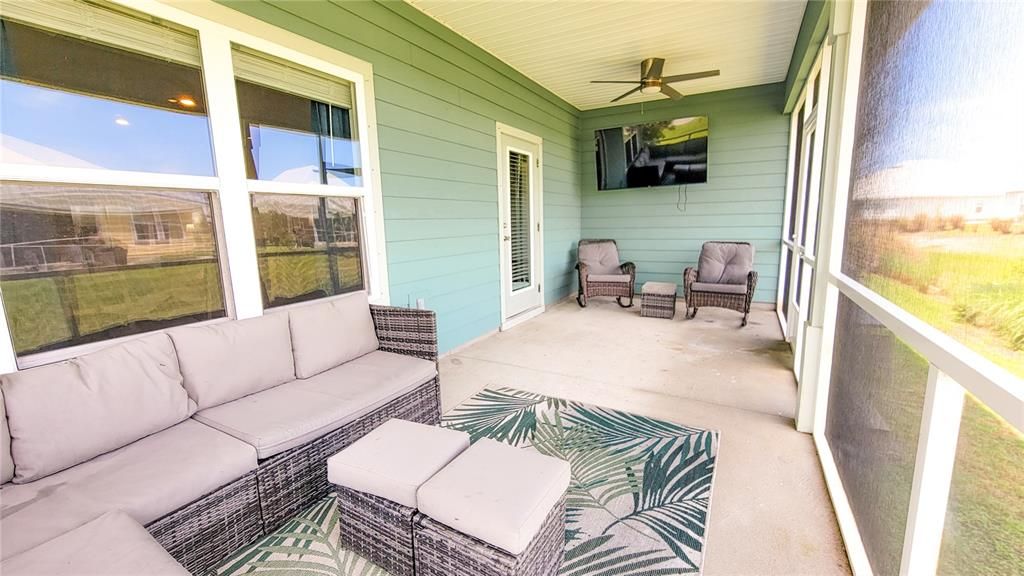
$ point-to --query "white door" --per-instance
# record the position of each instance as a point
(519, 188)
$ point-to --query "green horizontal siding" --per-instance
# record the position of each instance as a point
(661, 229)
(438, 97)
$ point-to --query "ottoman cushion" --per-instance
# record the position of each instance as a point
(496, 493)
(394, 459)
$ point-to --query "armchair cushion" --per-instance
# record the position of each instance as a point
(719, 288)
(600, 257)
(725, 262)
(608, 278)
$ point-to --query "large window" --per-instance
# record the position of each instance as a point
(130, 101)
(125, 204)
(84, 263)
(308, 247)
(934, 254)
(297, 124)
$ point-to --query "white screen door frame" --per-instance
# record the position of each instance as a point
(522, 294)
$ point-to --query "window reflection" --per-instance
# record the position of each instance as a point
(308, 247)
(295, 138)
(73, 103)
(85, 263)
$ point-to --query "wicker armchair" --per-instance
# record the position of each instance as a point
(601, 274)
(724, 278)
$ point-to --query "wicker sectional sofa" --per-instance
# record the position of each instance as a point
(207, 436)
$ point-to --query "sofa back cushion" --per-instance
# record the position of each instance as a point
(600, 256)
(725, 262)
(6, 462)
(63, 414)
(330, 333)
(225, 361)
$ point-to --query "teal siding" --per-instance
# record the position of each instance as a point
(661, 229)
(438, 98)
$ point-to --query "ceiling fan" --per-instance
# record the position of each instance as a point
(652, 82)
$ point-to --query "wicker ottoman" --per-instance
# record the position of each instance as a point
(494, 511)
(376, 479)
(658, 300)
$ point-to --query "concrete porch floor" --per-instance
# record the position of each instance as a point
(770, 512)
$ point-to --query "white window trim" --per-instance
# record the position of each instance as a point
(218, 28)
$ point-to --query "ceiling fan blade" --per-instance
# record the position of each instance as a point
(613, 81)
(652, 68)
(691, 76)
(633, 91)
(671, 92)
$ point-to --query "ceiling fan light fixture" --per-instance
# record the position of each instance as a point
(654, 89)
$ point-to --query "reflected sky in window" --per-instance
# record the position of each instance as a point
(58, 128)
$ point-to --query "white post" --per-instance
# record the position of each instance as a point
(933, 472)
(236, 209)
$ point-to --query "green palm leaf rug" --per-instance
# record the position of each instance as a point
(638, 500)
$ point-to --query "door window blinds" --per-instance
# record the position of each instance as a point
(519, 218)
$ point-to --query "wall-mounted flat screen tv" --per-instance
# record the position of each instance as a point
(663, 153)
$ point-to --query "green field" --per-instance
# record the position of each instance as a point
(970, 286)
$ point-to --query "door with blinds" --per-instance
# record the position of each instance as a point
(520, 229)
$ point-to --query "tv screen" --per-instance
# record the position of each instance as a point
(663, 153)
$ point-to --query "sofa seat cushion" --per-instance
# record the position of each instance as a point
(113, 544)
(720, 288)
(623, 278)
(225, 361)
(496, 492)
(146, 479)
(329, 333)
(292, 414)
(66, 413)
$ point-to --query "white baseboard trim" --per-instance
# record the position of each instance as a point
(468, 343)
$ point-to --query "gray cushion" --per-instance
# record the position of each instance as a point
(725, 262)
(66, 413)
(608, 278)
(146, 479)
(295, 413)
(112, 544)
(225, 361)
(6, 461)
(600, 257)
(328, 334)
(720, 288)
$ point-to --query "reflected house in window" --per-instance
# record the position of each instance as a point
(928, 188)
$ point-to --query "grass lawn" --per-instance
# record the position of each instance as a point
(971, 286)
(44, 311)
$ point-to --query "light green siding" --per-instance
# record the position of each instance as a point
(438, 98)
(661, 229)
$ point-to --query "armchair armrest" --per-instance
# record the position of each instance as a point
(689, 277)
(407, 331)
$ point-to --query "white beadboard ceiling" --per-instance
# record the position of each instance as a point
(564, 44)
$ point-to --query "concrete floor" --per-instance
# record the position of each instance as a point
(770, 512)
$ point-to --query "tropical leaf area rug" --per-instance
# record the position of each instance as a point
(637, 505)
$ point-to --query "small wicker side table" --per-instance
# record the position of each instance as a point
(496, 510)
(658, 300)
(376, 480)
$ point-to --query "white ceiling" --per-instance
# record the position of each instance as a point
(563, 44)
